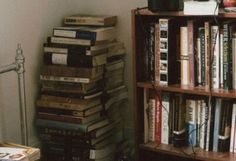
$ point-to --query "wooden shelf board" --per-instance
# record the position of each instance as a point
(146, 12)
(189, 90)
(187, 152)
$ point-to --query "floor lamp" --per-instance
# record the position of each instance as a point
(18, 67)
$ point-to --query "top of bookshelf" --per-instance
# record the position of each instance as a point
(146, 12)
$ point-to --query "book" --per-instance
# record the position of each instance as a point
(68, 118)
(233, 132)
(72, 126)
(215, 51)
(85, 32)
(234, 61)
(17, 152)
(93, 20)
(66, 71)
(200, 8)
(75, 49)
(179, 128)
(69, 112)
(165, 119)
(168, 73)
(218, 109)
(74, 60)
(225, 125)
(66, 133)
(191, 121)
(227, 53)
(151, 119)
(69, 79)
(68, 87)
(67, 102)
(201, 34)
(184, 57)
(75, 41)
(89, 95)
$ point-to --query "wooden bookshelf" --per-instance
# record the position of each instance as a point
(140, 18)
(189, 90)
(188, 152)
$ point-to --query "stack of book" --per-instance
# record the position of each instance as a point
(73, 121)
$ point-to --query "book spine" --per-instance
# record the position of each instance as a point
(234, 61)
(207, 54)
(87, 35)
(70, 41)
(74, 60)
(216, 124)
(61, 105)
(61, 125)
(67, 79)
(227, 74)
(215, 53)
(184, 56)
(67, 71)
(164, 32)
(199, 63)
(232, 135)
(151, 119)
(201, 32)
(191, 51)
(191, 122)
(221, 60)
(145, 113)
(158, 120)
(157, 53)
(151, 52)
(165, 131)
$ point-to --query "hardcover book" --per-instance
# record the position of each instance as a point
(85, 32)
(93, 20)
(74, 60)
(66, 71)
(75, 49)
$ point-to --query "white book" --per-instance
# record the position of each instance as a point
(151, 119)
(165, 119)
(184, 56)
(221, 60)
(199, 62)
(208, 132)
(203, 123)
(200, 8)
(232, 147)
(215, 45)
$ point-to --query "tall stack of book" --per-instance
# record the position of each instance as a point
(73, 117)
(116, 92)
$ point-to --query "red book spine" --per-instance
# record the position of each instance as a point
(158, 120)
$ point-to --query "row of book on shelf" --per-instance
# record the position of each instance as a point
(82, 91)
(189, 121)
(191, 52)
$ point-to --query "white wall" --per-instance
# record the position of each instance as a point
(29, 22)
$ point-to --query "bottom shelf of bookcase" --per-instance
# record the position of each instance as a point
(187, 152)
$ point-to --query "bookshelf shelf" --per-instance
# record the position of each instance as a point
(222, 14)
(189, 90)
(187, 152)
